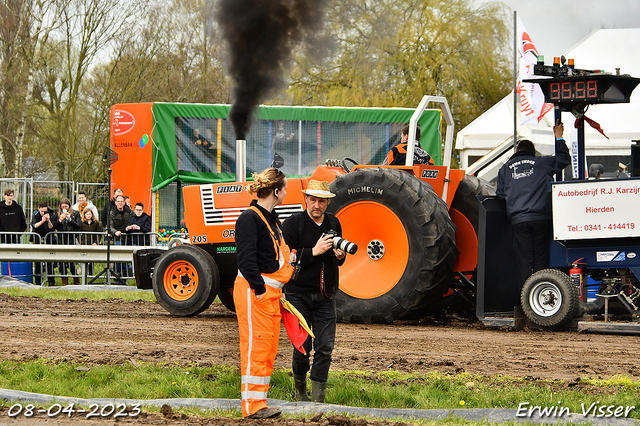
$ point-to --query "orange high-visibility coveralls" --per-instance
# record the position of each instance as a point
(259, 325)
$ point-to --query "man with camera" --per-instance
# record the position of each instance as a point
(311, 292)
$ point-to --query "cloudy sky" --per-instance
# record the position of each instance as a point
(555, 26)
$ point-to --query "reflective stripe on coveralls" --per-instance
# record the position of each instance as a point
(259, 326)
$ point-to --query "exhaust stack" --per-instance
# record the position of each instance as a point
(241, 160)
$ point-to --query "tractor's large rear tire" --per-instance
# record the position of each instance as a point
(466, 201)
(225, 293)
(465, 212)
(185, 280)
(406, 242)
(549, 298)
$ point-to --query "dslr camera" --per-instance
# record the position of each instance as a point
(340, 243)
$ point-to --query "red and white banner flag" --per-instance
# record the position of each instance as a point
(532, 105)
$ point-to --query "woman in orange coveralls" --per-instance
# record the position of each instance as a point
(263, 269)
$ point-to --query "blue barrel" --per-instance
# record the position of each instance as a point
(19, 270)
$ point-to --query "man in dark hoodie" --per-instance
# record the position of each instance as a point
(43, 223)
(118, 220)
(524, 183)
(139, 223)
(12, 218)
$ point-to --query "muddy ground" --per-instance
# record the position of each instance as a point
(115, 331)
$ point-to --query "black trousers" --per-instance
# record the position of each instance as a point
(38, 275)
(531, 247)
(320, 314)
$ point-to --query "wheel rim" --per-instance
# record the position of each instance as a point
(373, 272)
(545, 299)
(181, 280)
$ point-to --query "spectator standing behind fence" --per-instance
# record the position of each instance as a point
(68, 224)
(84, 203)
(119, 218)
(120, 215)
(109, 205)
(88, 227)
(11, 218)
(43, 223)
(139, 222)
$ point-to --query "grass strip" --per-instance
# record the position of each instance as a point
(351, 388)
(59, 293)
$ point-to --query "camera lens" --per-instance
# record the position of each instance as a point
(345, 245)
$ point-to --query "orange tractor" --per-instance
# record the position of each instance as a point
(416, 228)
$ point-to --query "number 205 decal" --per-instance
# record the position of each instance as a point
(198, 239)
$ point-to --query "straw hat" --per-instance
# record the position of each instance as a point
(317, 188)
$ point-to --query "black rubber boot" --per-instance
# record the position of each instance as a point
(266, 413)
(318, 390)
(300, 383)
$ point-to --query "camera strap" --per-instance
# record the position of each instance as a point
(323, 287)
(333, 225)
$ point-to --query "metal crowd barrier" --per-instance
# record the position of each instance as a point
(81, 254)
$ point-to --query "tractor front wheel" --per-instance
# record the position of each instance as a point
(185, 280)
(549, 299)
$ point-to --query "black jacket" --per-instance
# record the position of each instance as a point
(44, 229)
(72, 224)
(254, 246)
(303, 239)
(106, 210)
(120, 219)
(69, 228)
(12, 218)
(144, 222)
(523, 182)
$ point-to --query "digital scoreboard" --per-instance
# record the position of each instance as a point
(596, 88)
(572, 89)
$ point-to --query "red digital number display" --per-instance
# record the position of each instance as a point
(580, 92)
(569, 90)
(554, 89)
(592, 89)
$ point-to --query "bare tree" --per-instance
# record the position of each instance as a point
(89, 28)
(165, 56)
(27, 25)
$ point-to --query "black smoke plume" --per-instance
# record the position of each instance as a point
(260, 35)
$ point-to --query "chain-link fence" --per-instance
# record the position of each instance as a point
(51, 192)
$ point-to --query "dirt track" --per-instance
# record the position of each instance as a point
(115, 331)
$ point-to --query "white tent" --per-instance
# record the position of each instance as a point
(604, 49)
